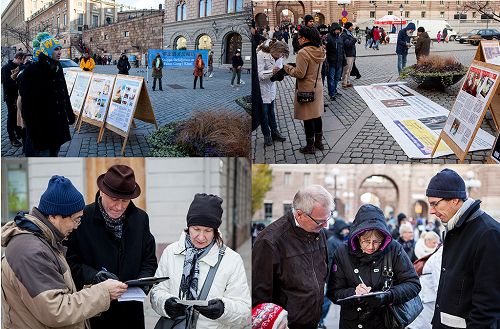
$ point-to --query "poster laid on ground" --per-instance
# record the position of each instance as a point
(123, 102)
(177, 58)
(470, 105)
(79, 92)
(412, 119)
(491, 51)
(98, 97)
(70, 77)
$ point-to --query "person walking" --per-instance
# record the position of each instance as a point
(211, 64)
(10, 94)
(290, 257)
(336, 59)
(123, 65)
(403, 44)
(37, 287)
(189, 262)
(438, 37)
(269, 61)
(199, 66)
(286, 36)
(46, 106)
(376, 38)
(445, 35)
(368, 37)
(114, 241)
(469, 289)
(308, 66)
(350, 53)
(423, 45)
(359, 268)
(87, 63)
(157, 73)
(237, 64)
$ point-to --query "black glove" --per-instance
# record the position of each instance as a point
(103, 276)
(377, 300)
(213, 311)
(174, 309)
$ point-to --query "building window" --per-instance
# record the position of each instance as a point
(422, 14)
(287, 178)
(209, 7)
(407, 2)
(458, 2)
(58, 22)
(441, 14)
(178, 15)
(389, 12)
(184, 11)
(287, 207)
(126, 33)
(14, 188)
(474, 14)
(202, 8)
(441, 2)
(65, 19)
(234, 6)
(80, 19)
(372, 14)
(307, 178)
(105, 37)
(389, 1)
(95, 20)
(268, 210)
(90, 39)
(407, 14)
(65, 5)
(181, 12)
(422, 2)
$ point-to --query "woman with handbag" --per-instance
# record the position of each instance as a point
(370, 262)
(201, 267)
(308, 103)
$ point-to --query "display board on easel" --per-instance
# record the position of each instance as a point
(79, 92)
(70, 77)
(129, 100)
(97, 101)
(473, 100)
(488, 52)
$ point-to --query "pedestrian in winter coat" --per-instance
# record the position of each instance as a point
(445, 35)
(423, 46)
(114, 241)
(46, 111)
(469, 290)
(157, 71)
(286, 36)
(289, 258)
(237, 64)
(403, 44)
(187, 263)
(199, 66)
(358, 268)
(87, 63)
(309, 22)
(37, 287)
(123, 65)
(350, 53)
(10, 93)
(376, 38)
(211, 64)
(309, 61)
(406, 240)
(401, 220)
(438, 37)
(336, 59)
(270, 61)
(368, 37)
(426, 243)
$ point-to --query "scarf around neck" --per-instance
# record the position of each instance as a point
(453, 221)
(114, 225)
(191, 269)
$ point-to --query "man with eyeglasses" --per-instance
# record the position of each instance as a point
(37, 288)
(289, 259)
(469, 287)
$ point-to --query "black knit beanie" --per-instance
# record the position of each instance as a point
(447, 184)
(205, 210)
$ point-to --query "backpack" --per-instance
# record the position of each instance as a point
(420, 263)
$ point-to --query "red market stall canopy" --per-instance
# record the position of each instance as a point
(390, 19)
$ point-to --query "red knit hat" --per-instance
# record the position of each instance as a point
(268, 316)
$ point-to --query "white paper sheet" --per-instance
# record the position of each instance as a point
(133, 293)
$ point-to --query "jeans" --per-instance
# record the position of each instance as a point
(159, 83)
(334, 75)
(401, 62)
(268, 123)
(376, 44)
(324, 309)
(196, 79)
(236, 72)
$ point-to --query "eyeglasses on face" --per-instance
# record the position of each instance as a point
(366, 243)
(435, 203)
(318, 222)
(76, 220)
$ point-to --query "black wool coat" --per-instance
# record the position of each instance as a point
(46, 109)
(92, 247)
(469, 285)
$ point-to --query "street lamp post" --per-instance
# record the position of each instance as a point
(401, 12)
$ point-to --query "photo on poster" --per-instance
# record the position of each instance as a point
(434, 123)
(123, 102)
(98, 97)
(471, 83)
(394, 102)
(486, 87)
(454, 127)
(400, 90)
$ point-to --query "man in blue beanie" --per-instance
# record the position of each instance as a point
(469, 289)
(37, 287)
(403, 44)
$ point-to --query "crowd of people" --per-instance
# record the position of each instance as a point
(443, 271)
(66, 264)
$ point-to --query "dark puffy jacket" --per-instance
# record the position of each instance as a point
(123, 65)
(349, 44)
(46, 109)
(469, 288)
(409, 248)
(335, 50)
(289, 268)
(423, 46)
(404, 39)
(343, 279)
(9, 85)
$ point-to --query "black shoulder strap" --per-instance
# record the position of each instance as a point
(387, 272)
(211, 275)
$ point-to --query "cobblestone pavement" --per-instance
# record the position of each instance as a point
(352, 133)
(176, 102)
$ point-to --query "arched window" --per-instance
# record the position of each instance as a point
(184, 11)
(209, 7)
(230, 6)
(178, 16)
(202, 8)
(234, 6)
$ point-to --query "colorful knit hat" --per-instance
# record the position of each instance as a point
(47, 43)
(268, 316)
(36, 50)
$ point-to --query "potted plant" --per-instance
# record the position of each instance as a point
(435, 71)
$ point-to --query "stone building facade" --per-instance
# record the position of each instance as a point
(217, 25)
(133, 34)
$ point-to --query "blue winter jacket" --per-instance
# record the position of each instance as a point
(403, 39)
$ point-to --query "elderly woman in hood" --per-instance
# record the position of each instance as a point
(358, 268)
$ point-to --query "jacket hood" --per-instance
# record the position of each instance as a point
(315, 53)
(23, 224)
(410, 26)
(368, 217)
(338, 226)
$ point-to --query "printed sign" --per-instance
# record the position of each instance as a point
(70, 77)
(177, 58)
(123, 102)
(98, 97)
(79, 92)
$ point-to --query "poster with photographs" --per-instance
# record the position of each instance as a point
(98, 97)
(79, 92)
(123, 101)
(70, 77)
(491, 51)
(470, 104)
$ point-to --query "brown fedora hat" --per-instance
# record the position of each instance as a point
(119, 182)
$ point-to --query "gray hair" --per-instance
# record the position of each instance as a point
(406, 227)
(430, 235)
(305, 199)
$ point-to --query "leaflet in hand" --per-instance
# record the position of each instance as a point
(368, 295)
(193, 302)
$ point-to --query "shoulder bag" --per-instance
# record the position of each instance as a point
(398, 316)
(420, 263)
(307, 96)
(189, 322)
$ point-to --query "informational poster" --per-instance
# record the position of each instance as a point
(70, 77)
(491, 51)
(79, 92)
(180, 58)
(98, 96)
(495, 152)
(412, 119)
(123, 102)
(471, 102)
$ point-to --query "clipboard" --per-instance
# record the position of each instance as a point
(145, 281)
(368, 295)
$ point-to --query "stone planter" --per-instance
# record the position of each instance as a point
(428, 81)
